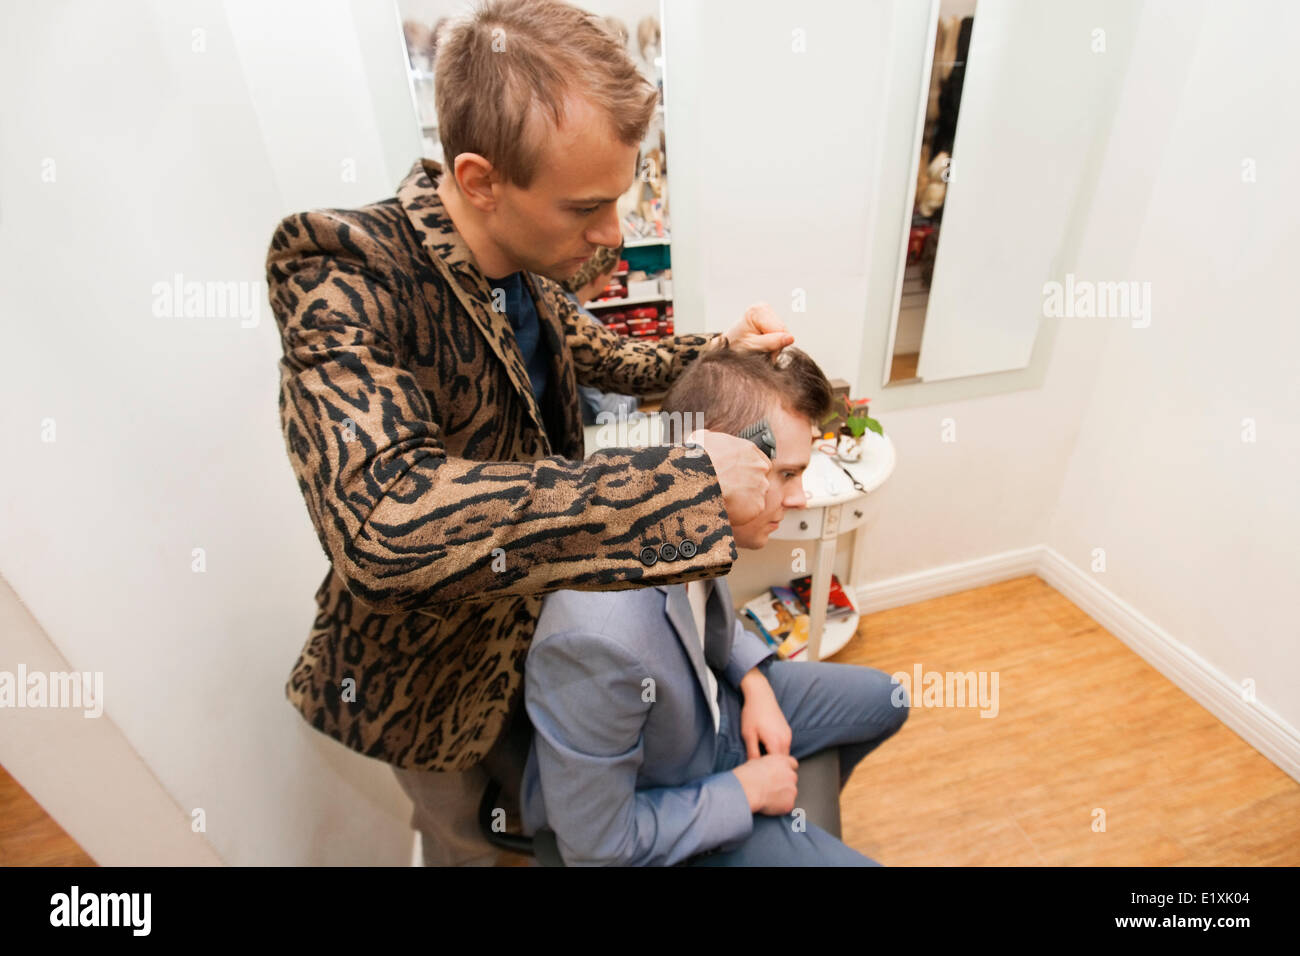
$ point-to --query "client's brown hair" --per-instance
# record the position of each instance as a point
(733, 388)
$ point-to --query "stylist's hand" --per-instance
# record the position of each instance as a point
(742, 473)
(759, 330)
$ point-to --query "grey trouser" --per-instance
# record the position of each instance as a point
(844, 705)
(446, 804)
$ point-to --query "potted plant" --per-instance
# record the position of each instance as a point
(855, 419)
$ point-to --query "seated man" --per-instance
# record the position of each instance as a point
(649, 706)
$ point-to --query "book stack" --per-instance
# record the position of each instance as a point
(781, 615)
(838, 604)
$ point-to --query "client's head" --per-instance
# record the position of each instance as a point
(729, 390)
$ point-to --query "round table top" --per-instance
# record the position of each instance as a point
(825, 484)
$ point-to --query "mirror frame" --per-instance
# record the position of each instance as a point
(881, 315)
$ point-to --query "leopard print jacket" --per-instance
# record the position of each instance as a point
(447, 502)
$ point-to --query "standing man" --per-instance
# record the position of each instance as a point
(428, 397)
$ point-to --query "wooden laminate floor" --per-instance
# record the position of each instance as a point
(28, 836)
(1083, 724)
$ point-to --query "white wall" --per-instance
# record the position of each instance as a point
(1198, 526)
(1132, 442)
(130, 156)
(779, 153)
(774, 163)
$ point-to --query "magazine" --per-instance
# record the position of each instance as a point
(838, 605)
(780, 619)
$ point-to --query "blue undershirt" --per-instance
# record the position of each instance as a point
(522, 314)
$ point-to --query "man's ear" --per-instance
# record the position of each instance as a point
(476, 179)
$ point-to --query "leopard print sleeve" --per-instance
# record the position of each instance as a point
(608, 361)
(407, 526)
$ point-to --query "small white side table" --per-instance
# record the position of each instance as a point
(834, 507)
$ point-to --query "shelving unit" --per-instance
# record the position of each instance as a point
(624, 303)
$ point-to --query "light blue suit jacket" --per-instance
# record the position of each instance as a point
(621, 766)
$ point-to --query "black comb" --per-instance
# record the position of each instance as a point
(761, 435)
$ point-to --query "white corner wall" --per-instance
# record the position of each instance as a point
(1196, 519)
(1133, 441)
(778, 154)
(145, 140)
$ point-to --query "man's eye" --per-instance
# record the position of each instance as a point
(588, 211)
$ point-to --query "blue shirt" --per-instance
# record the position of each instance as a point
(522, 314)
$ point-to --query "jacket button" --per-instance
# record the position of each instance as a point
(686, 549)
(649, 556)
(668, 552)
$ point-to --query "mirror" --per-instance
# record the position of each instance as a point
(946, 71)
(1039, 91)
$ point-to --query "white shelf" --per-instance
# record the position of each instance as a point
(648, 241)
(835, 634)
(620, 303)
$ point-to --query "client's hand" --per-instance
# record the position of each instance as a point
(742, 473)
(761, 720)
(770, 783)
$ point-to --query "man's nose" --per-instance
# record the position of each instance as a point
(607, 233)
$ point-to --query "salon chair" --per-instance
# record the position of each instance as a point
(819, 798)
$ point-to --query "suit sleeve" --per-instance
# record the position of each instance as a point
(588, 701)
(748, 650)
(614, 363)
(405, 525)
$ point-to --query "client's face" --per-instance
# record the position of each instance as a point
(785, 480)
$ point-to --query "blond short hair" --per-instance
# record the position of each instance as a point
(505, 70)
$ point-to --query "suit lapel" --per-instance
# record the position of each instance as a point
(564, 380)
(717, 619)
(678, 611)
(428, 216)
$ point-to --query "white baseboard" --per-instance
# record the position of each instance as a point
(948, 579)
(1255, 723)
(1214, 690)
